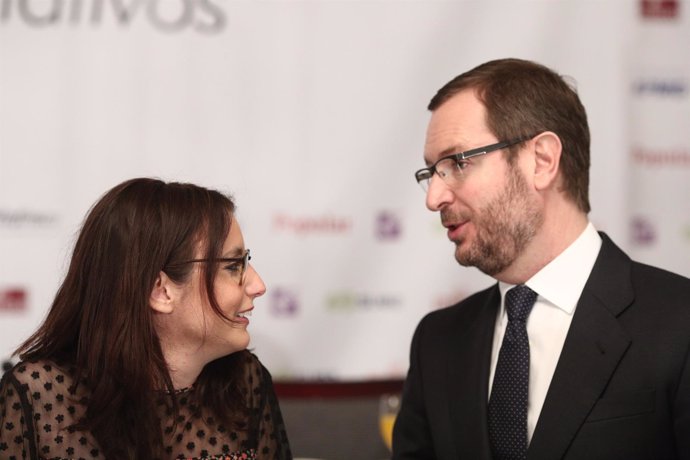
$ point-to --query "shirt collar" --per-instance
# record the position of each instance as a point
(562, 280)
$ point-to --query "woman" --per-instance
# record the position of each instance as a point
(143, 352)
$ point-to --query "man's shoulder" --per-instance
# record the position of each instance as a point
(652, 289)
(639, 270)
(665, 291)
(650, 273)
(467, 307)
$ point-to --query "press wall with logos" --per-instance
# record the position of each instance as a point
(312, 115)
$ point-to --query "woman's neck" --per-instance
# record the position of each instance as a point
(184, 364)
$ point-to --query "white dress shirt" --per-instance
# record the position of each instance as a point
(559, 286)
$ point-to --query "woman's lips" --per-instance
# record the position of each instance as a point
(243, 316)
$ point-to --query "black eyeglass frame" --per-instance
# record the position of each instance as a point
(244, 259)
(427, 173)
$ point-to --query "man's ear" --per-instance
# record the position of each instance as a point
(161, 299)
(547, 158)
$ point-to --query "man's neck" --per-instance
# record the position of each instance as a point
(560, 228)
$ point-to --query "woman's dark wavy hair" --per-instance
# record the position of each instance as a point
(100, 321)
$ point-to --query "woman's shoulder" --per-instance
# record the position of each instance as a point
(254, 367)
(39, 376)
(251, 360)
(26, 370)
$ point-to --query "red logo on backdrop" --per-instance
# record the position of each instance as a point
(13, 299)
(304, 225)
(667, 9)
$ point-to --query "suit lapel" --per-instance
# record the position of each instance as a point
(592, 350)
(469, 357)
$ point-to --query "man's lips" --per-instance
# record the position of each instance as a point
(454, 229)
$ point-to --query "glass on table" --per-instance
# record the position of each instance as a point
(389, 405)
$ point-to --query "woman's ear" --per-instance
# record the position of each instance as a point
(547, 158)
(161, 299)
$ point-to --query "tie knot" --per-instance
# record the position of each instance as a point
(519, 302)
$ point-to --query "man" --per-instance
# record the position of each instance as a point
(588, 357)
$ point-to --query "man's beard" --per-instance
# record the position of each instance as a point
(503, 227)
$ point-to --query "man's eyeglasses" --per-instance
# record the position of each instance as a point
(450, 167)
(236, 266)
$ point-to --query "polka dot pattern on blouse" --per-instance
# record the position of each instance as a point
(41, 407)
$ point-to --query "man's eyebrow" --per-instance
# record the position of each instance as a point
(444, 153)
(451, 150)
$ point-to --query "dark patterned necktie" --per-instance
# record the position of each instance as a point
(508, 402)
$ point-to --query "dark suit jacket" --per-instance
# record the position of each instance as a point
(621, 389)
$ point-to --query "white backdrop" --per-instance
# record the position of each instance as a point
(312, 114)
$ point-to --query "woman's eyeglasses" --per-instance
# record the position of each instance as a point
(236, 266)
